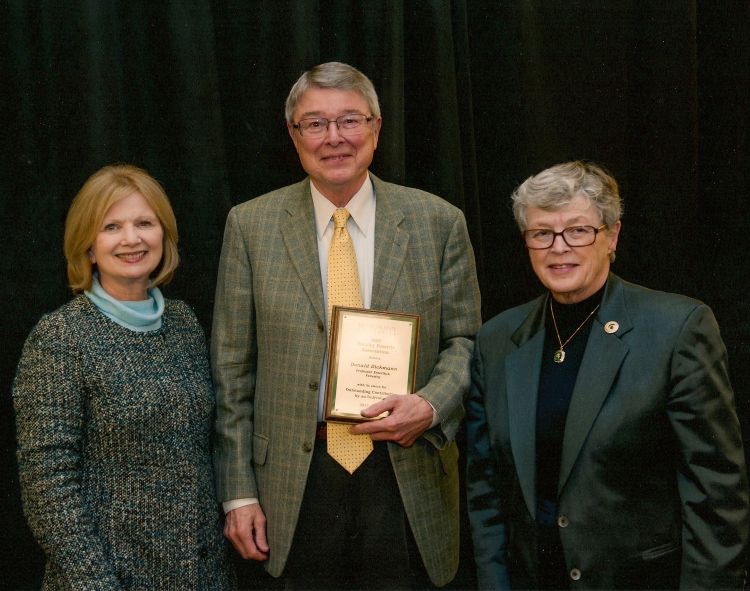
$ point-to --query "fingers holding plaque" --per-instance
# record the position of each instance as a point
(371, 355)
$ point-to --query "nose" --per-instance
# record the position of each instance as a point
(130, 234)
(559, 244)
(333, 135)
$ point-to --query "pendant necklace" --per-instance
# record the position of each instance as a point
(560, 354)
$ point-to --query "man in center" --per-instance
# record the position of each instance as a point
(391, 521)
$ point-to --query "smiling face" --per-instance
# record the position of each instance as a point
(336, 164)
(128, 248)
(572, 273)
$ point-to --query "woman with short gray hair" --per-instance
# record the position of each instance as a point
(604, 446)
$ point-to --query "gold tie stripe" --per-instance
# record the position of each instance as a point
(343, 290)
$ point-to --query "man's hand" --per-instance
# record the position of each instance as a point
(410, 416)
(245, 527)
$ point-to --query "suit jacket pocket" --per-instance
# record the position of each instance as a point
(655, 568)
(658, 551)
(415, 303)
(448, 458)
(260, 449)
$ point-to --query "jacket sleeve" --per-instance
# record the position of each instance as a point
(460, 321)
(49, 404)
(234, 362)
(712, 480)
(486, 515)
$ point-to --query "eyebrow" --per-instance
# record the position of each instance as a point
(145, 216)
(320, 114)
(568, 223)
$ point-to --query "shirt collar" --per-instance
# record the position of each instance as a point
(361, 207)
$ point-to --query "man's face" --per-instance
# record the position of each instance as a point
(336, 163)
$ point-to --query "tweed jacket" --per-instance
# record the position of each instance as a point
(653, 488)
(269, 339)
(113, 451)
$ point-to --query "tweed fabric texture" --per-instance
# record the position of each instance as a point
(344, 290)
(269, 338)
(113, 451)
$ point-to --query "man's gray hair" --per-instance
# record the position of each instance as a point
(333, 75)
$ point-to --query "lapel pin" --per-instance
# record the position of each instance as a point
(611, 327)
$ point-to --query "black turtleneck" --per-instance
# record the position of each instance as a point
(556, 383)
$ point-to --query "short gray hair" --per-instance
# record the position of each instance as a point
(332, 75)
(557, 186)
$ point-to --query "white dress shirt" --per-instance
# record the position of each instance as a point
(361, 228)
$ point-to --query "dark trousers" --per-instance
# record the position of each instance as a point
(352, 531)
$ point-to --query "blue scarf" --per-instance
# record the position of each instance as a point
(141, 316)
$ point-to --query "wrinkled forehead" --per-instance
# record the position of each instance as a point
(569, 211)
(330, 102)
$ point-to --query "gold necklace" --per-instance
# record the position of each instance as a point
(560, 354)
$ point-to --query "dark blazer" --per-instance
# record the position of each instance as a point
(653, 487)
(269, 338)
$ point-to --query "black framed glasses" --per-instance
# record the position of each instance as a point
(349, 124)
(541, 238)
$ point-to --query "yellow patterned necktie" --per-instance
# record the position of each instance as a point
(343, 290)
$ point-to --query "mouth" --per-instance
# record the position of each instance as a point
(561, 268)
(336, 157)
(132, 257)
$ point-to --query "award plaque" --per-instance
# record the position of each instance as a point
(371, 355)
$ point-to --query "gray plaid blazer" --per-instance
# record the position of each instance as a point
(269, 338)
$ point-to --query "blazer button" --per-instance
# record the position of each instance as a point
(307, 447)
(562, 521)
(320, 327)
(313, 385)
(575, 574)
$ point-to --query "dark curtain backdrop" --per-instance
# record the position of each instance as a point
(476, 96)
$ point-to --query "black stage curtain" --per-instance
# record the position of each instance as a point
(476, 96)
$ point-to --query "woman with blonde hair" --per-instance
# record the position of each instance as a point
(114, 402)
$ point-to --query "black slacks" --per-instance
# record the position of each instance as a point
(352, 531)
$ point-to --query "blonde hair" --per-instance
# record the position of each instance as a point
(103, 189)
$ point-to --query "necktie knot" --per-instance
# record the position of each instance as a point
(339, 218)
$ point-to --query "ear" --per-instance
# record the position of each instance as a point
(376, 125)
(612, 236)
(92, 257)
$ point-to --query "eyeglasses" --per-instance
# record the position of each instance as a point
(541, 238)
(350, 124)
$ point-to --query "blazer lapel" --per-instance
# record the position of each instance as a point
(298, 233)
(522, 368)
(605, 352)
(391, 242)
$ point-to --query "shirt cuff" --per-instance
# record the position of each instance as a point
(237, 503)
(435, 415)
